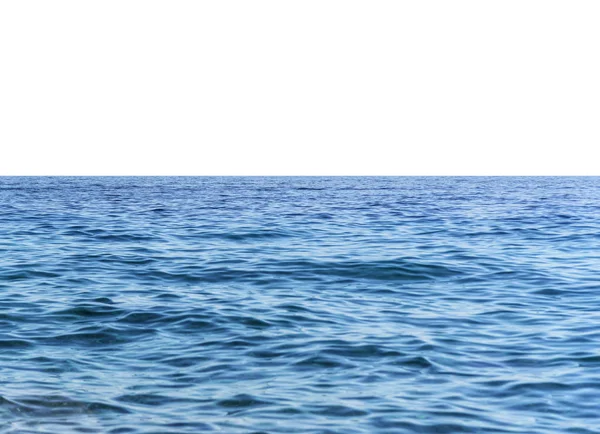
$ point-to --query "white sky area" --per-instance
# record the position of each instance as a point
(299, 87)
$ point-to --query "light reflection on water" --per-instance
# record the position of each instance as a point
(309, 305)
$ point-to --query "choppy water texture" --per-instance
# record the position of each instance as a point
(300, 305)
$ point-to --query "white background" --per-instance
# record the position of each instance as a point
(299, 87)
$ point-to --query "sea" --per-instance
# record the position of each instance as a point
(352, 305)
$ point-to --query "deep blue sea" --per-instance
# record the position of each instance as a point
(299, 305)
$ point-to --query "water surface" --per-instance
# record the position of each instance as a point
(300, 305)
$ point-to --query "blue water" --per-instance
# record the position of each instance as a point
(300, 305)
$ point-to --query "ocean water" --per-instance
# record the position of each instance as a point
(300, 305)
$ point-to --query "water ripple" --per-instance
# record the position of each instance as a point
(299, 305)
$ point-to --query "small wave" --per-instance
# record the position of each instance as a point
(88, 311)
(242, 400)
(15, 344)
(390, 270)
(373, 270)
(255, 235)
(87, 338)
(148, 399)
(58, 406)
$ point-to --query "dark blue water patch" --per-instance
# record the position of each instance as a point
(299, 305)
